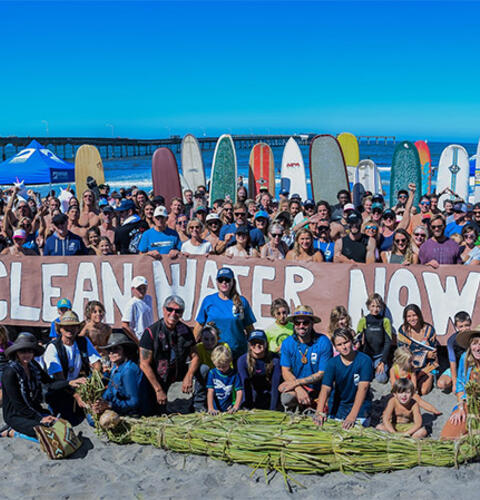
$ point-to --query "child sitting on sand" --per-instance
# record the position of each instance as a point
(97, 331)
(278, 331)
(402, 414)
(403, 368)
(224, 386)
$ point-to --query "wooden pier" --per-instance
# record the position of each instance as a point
(66, 147)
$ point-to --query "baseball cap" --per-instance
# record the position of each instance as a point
(160, 212)
(225, 272)
(295, 196)
(125, 205)
(20, 233)
(348, 206)
(284, 192)
(377, 197)
(389, 213)
(213, 216)
(64, 304)
(159, 200)
(59, 219)
(460, 208)
(309, 203)
(354, 218)
(200, 208)
(107, 209)
(262, 213)
(242, 230)
(376, 206)
(139, 281)
(257, 335)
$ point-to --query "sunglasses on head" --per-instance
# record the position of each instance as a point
(174, 310)
(224, 280)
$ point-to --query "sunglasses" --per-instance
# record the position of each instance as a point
(179, 312)
(257, 343)
(195, 227)
(299, 322)
(371, 228)
(402, 196)
(228, 209)
(277, 235)
(224, 280)
(424, 203)
(437, 226)
(469, 236)
(423, 235)
(240, 214)
(400, 240)
(182, 222)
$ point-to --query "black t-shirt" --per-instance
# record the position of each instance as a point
(125, 234)
(171, 349)
(355, 250)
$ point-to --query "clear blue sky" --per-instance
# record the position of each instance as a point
(158, 68)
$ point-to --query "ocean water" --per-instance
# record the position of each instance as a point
(137, 171)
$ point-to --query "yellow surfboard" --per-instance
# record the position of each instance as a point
(349, 144)
(88, 163)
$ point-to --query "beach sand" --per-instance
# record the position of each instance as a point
(105, 470)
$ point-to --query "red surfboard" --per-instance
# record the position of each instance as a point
(165, 178)
(261, 171)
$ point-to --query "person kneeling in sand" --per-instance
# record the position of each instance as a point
(402, 414)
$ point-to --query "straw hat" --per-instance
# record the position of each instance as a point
(463, 339)
(304, 312)
(24, 340)
(68, 318)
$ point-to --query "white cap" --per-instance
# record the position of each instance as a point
(139, 281)
(348, 206)
(160, 212)
(19, 233)
(212, 216)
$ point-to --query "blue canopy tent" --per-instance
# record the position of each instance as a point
(36, 165)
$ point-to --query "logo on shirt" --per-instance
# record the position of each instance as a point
(313, 357)
(356, 378)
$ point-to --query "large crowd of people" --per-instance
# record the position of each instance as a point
(224, 362)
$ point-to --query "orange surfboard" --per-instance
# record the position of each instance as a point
(426, 165)
(261, 171)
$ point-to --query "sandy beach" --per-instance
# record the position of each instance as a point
(104, 470)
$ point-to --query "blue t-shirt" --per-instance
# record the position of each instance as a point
(453, 228)
(230, 323)
(318, 352)
(31, 242)
(257, 239)
(161, 241)
(225, 386)
(70, 245)
(344, 382)
(326, 248)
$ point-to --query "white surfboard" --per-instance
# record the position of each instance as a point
(367, 178)
(192, 163)
(453, 172)
(293, 170)
(477, 175)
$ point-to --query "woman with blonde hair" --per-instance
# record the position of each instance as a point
(401, 252)
(196, 245)
(303, 248)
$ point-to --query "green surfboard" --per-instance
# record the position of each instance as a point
(406, 168)
(223, 178)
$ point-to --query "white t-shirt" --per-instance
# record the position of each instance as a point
(202, 249)
(52, 361)
(139, 314)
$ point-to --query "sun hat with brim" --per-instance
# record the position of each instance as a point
(118, 338)
(24, 340)
(463, 339)
(68, 318)
(283, 215)
(304, 312)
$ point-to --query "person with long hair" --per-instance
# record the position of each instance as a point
(260, 373)
(93, 240)
(90, 215)
(421, 339)
(181, 227)
(17, 248)
(339, 318)
(401, 252)
(95, 329)
(470, 251)
(105, 246)
(371, 229)
(196, 245)
(419, 235)
(229, 311)
(147, 214)
(275, 248)
(242, 246)
(468, 370)
(303, 248)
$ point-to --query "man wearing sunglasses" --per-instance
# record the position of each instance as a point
(459, 220)
(167, 355)
(227, 233)
(439, 249)
(303, 358)
(423, 216)
(476, 217)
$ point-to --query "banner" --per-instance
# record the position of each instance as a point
(31, 286)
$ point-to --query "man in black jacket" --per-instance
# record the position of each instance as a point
(129, 232)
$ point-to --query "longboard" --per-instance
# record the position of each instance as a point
(367, 178)
(477, 175)
(293, 170)
(405, 169)
(351, 153)
(223, 178)
(165, 178)
(328, 171)
(192, 163)
(425, 165)
(261, 172)
(453, 172)
(88, 163)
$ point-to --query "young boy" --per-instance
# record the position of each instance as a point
(278, 331)
(63, 305)
(448, 379)
(402, 414)
(224, 388)
(138, 314)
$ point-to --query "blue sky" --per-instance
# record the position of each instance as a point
(152, 69)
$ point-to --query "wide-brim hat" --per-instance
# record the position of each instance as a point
(463, 339)
(119, 338)
(68, 318)
(24, 340)
(285, 214)
(304, 312)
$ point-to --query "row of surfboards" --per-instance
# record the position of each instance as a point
(334, 164)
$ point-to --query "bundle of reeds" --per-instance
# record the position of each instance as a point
(277, 441)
